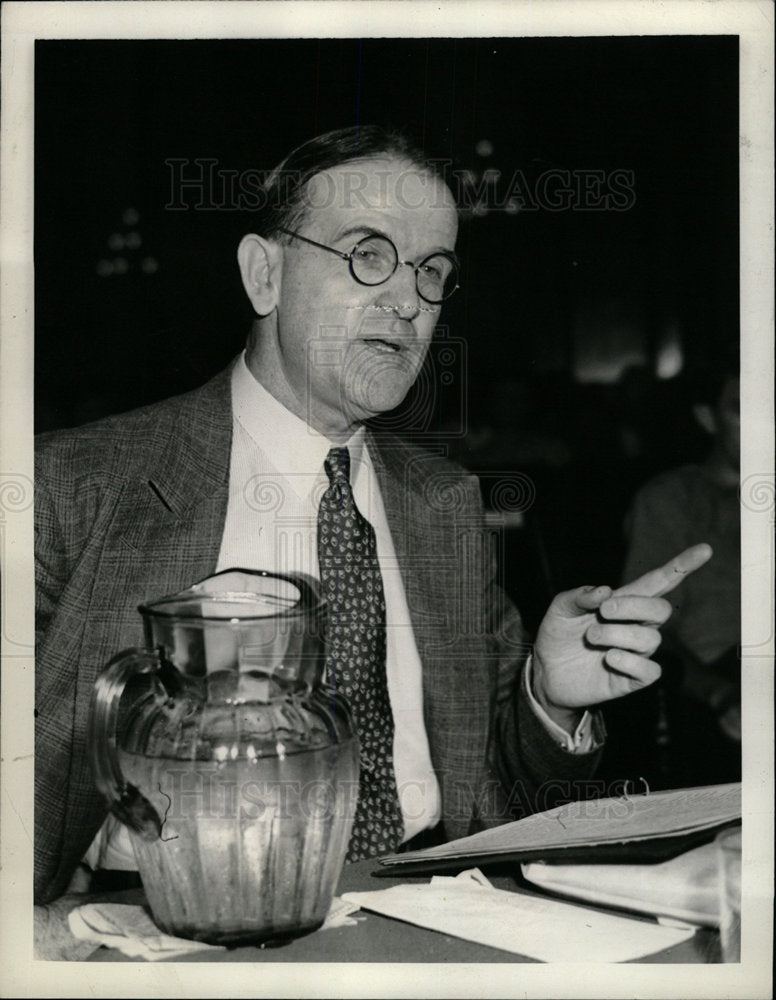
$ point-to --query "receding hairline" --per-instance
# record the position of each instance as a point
(284, 205)
(410, 165)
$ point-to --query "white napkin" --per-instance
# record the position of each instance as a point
(131, 930)
(467, 906)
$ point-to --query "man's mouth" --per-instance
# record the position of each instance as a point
(385, 346)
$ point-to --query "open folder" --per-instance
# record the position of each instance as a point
(630, 829)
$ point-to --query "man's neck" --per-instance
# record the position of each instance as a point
(269, 374)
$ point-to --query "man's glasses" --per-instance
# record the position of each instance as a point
(375, 258)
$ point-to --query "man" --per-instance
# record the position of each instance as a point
(346, 271)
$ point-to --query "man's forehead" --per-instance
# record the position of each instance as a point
(379, 184)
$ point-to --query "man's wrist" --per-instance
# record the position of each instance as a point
(567, 718)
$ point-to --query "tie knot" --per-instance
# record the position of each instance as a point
(337, 465)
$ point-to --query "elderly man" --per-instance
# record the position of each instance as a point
(347, 270)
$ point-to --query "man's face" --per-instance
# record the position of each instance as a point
(350, 351)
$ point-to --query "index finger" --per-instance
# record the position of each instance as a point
(663, 580)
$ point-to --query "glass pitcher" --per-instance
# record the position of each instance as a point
(233, 766)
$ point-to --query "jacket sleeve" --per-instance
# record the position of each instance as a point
(51, 561)
(67, 500)
(533, 769)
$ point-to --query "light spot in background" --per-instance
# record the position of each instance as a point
(608, 338)
(129, 241)
(670, 357)
(484, 148)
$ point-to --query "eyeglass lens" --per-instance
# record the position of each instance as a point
(374, 259)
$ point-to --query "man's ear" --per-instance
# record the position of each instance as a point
(704, 417)
(260, 263)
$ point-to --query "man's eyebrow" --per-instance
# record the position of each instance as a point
(361, 231)
(365, 230)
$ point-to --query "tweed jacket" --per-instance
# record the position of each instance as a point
(133, 507)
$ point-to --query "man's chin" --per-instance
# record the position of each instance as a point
(380, 389)
(380, 400)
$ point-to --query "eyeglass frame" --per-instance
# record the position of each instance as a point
(399, 263)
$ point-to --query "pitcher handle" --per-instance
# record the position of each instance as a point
(125, 800)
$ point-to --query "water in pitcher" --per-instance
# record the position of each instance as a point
(252, 836)
(234, 767)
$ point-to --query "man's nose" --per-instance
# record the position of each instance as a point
(401, 292)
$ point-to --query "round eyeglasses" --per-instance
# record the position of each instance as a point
(375, 258)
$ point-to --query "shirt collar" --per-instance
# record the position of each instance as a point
(294, 448)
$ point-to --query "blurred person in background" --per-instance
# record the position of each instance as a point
(701, 647)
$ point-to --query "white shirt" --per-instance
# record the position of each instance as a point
(276, 479)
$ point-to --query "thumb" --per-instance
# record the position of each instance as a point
(583, 600)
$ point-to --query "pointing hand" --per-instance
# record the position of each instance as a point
(595, 644)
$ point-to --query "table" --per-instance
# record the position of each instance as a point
(380, 939)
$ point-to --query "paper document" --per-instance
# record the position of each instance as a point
(542, 929)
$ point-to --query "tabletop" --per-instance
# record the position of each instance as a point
(380, 939)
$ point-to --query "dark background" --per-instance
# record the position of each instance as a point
(565, 320)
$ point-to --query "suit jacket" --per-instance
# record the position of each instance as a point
(133, 507)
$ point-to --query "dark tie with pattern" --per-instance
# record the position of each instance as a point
(355, 654)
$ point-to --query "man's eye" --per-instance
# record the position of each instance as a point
(437, 270)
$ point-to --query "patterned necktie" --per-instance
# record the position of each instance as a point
(355, 654)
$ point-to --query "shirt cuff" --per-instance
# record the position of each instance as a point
(582, 740)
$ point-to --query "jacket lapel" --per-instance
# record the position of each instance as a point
(434, 516)
(192, 463)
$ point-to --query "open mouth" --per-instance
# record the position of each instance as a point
(385, 346)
